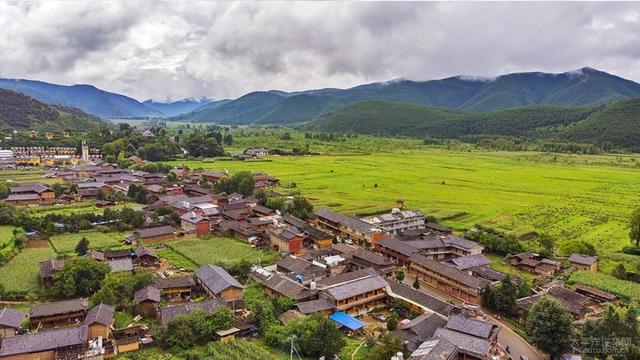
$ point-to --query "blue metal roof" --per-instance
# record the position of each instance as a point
(347, 320)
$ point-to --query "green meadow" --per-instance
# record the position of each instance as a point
(21, 273)
(570, 197)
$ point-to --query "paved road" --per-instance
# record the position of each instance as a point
(507, 337)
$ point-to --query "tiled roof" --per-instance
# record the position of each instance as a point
(435, 349)
(418, 297)
(155, 231)
(466, 343)
(309, 307)
(36, 188)
(449, 272)
(174, 282)
(347, 221)
(145, 251)
(583, 259)
(346, 277)
(11, 318)
(49, 267)
(216, 278)
(120, 265)
(209, 307)
(470, 326)
(101, 314)
(419, 329)
(148, 293)
(43, 341)
(58, 307)
(357, 287)
(470, 261)
(398, 246)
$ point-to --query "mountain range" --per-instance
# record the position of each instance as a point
(18, 111)
(585, 86)
(617, 123)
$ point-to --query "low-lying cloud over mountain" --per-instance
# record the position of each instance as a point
(174, 50)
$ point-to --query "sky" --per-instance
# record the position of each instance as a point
(174, 50)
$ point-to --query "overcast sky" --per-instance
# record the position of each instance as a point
(173, 50)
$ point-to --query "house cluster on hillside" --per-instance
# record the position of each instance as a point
(69, 329)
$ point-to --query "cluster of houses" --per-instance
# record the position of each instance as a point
(340, 266)
(48, 156)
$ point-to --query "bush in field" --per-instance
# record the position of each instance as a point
(117, 288)
(495, 241)
(241, 182)
(615, 324)
(195, 328)
(79, 277)
(314, 336)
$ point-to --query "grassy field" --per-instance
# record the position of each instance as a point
(65, 243)
(625, 289)
(218, 250)
(516, 192)
(175, 259)
(21, 273)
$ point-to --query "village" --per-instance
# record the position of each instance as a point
(356, 272)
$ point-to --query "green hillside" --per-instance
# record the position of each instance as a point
(387, 118)
(617, 123)
(18, 111)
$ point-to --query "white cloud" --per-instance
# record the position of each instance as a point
(171, 50)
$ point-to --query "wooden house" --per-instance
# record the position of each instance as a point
(150, 235)
(146, 257)
(147, 300)
(448, 279)
(191, 222)
(175, 288)
(285, 240)
(216, 282)
(10, 321)
(59, 313)
(355, 293)
(48, 268)
(584, 262)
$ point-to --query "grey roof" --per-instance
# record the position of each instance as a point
(372, 258)
(419, 329)
(49, 267)
(470, 326)
(583, 259)
(58, 307)
(347, 221)
(490, 274)
(19, 197)
(346, 277)
(144, 251)
(437, 227)
(11, 318)
(36, 188)
(309, 307)
(192, 217)
(101, 314)
(435, 349)
(283, 285)
(155, 231)
(459, 242)
(423, 299)
(357, 287)
(216, 278)
(449, 272)
(174, 282)
(294, 264)
(43, 341)
(148, 293)
(209, 306)
(394, 216)
(466, 343)
(470, 261)
(120, 265)
(401, 247)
